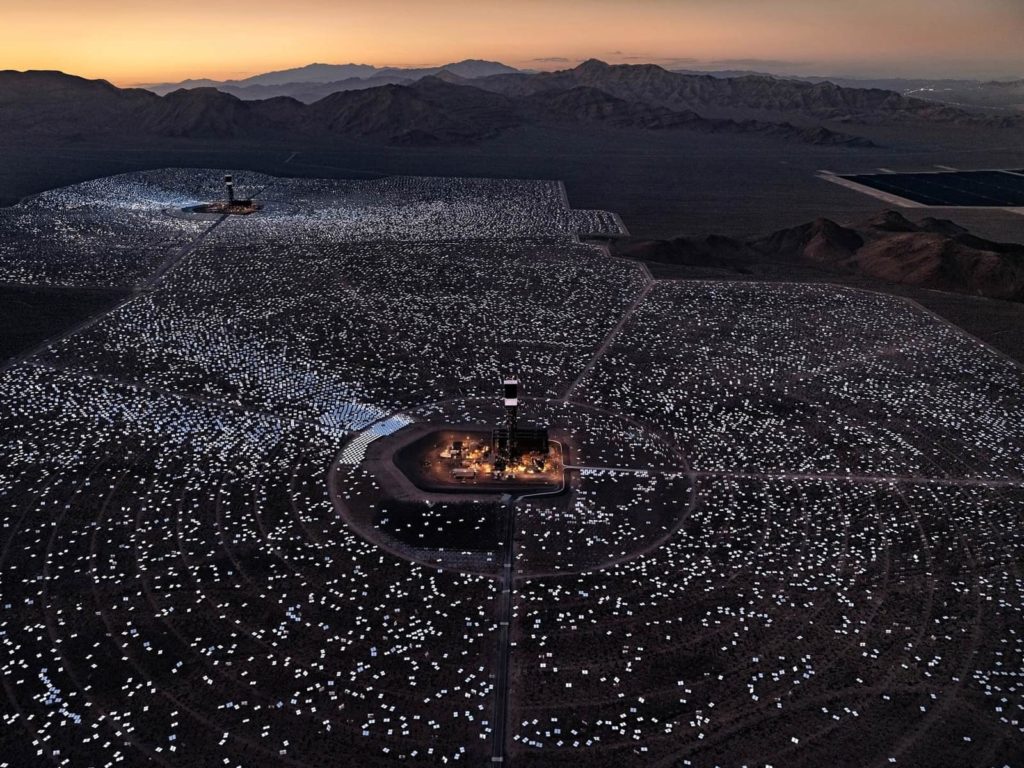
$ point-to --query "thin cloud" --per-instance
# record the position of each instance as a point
(681, 60)
(755, 63)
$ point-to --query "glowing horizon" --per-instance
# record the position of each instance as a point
(147, 41)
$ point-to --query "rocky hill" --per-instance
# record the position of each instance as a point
(932, 253)
(431, 112)
(588, 104)
(44, 103)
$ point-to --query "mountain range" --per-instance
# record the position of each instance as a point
(315, 81)
(728, 97)
(447, 108)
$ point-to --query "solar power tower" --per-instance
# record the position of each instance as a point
(510, 442)
(511, 411)
(229, 182)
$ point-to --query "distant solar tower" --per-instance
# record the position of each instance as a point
(229, 182)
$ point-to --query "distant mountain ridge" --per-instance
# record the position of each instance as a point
(314, 81)
(748, 89)
(1003, 95)
(726, 97)
(435, 110)
(448, 108)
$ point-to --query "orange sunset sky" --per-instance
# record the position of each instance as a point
(147, 41)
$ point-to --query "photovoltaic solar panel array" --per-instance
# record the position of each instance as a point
(999, 189)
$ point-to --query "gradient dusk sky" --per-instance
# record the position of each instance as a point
(161, 40)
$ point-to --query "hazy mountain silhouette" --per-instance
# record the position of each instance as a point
(311, 92)
(315, 79)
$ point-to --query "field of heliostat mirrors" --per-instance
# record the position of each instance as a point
(792, 532)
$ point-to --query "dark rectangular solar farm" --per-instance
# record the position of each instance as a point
(998, 189)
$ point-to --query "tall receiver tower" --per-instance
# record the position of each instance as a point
(229, 205)
(511, 411)
(511, 442)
